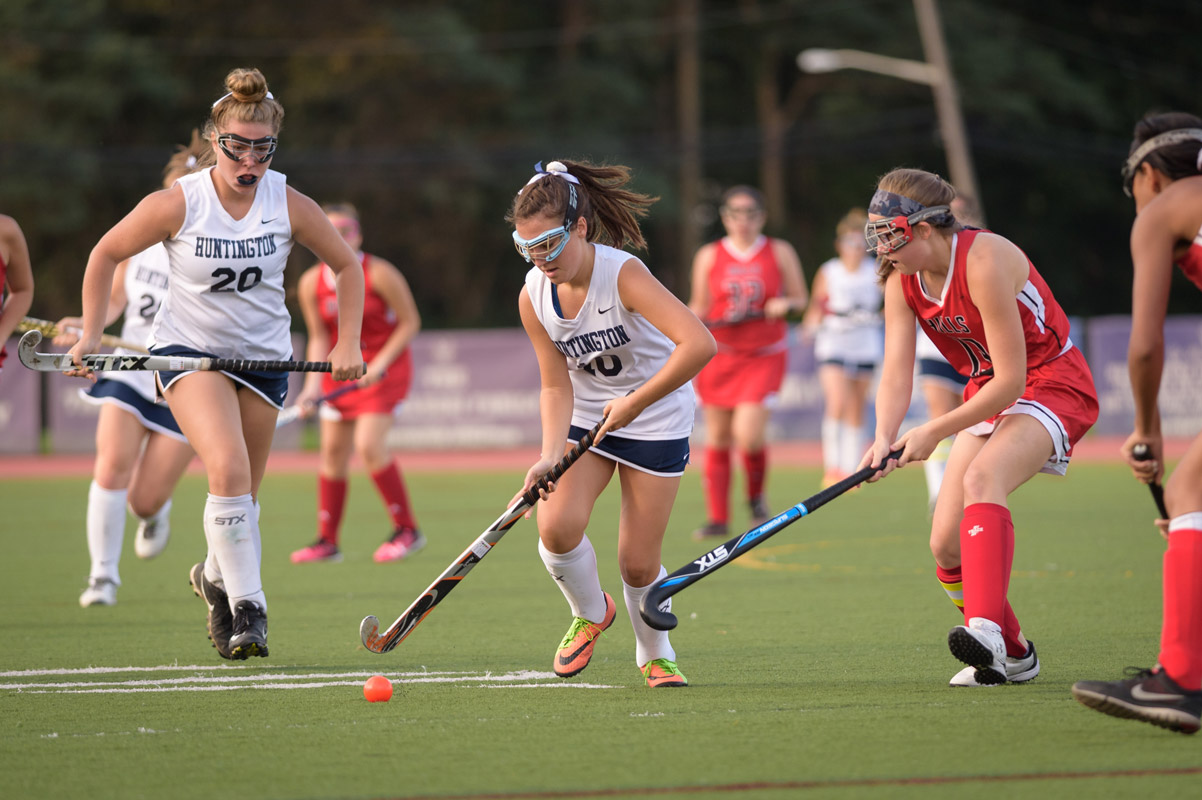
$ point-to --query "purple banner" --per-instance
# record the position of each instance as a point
(20, 409)
(1180, 385)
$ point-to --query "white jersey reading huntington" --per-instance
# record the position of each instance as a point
(226, 295)
(612, 351)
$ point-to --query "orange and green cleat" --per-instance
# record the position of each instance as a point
(663, 674)
(576, 649)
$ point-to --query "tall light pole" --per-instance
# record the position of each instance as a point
(934, 72)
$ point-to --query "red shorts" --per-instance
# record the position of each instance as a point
(732, 378)
(1061, 395)
(381, 397)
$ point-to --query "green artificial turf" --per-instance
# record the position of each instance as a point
(818, 663)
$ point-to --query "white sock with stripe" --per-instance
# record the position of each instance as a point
(575, 573)
(105, 525)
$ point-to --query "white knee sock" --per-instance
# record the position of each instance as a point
(934, 467)
(105, 525)
(575, 573)
(231, 529)
(650, 644)
(832, 434)
(852, 447)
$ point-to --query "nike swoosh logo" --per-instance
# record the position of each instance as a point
(563, 662)
(269, 221)
(1140, 693)
(602, 311)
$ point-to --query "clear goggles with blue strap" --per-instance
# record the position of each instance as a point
(547, 246)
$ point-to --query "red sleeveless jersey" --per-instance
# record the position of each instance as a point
(1191, 262)
(739, 284)
(379, 322)
(954, 324)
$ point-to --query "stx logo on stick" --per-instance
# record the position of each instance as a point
(712, 559)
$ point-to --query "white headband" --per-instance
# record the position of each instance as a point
(270, 96)
(555, 168)
(1175, 136)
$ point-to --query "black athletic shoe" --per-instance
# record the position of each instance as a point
(220, 622)
(1148, 696)
(250, 631)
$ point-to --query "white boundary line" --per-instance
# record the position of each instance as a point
(253, 679)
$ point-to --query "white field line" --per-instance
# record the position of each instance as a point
(521, 679)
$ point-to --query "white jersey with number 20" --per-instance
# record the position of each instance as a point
(612, 351)
(226, 295)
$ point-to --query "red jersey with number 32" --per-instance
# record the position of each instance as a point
(954, 323)
(739, 284)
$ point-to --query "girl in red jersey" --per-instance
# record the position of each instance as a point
(1164, 174)
(743, 287)
(360, 420)
(1029, 399)
(16, 279)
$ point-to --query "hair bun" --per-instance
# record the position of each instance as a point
(556, 166)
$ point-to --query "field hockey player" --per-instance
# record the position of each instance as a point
(613, 342)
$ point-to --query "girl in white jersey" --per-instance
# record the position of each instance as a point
(140, 452)
(228, 231)
(849, 342)
(612, 342)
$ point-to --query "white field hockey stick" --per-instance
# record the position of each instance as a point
(369, 629)
(61, 362)
(654, 607)
(51, 330)
(293, 412)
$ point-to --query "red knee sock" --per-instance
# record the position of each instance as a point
(1181, 636)
(392, 489)
(715, 479)
(331, 500)
(986, 553)
(756, 465)
(953, 583)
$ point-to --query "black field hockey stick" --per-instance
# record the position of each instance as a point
(51, 329)
(653, 607)
(100, 362)
(1141, 452)
(292, 413)
(381, 642)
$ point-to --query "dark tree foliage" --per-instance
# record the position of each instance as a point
(429, 116)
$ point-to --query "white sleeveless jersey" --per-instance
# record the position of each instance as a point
(611, 352)
(226, 294)
(146, 277)
(852, 328)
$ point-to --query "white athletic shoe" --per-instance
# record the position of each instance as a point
(153, 533)
(1018, 670)
(980, 645)
(100, 592)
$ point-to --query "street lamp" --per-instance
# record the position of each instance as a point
(935, 72)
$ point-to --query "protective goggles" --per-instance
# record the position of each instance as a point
(545, 247)
(891, 234)
(1156, 142)
(239, 147)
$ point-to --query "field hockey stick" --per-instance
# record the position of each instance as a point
(99, 362)
(292, 413)
(653, 607)
(1141, 452)
(369, 629)
(50, 329)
